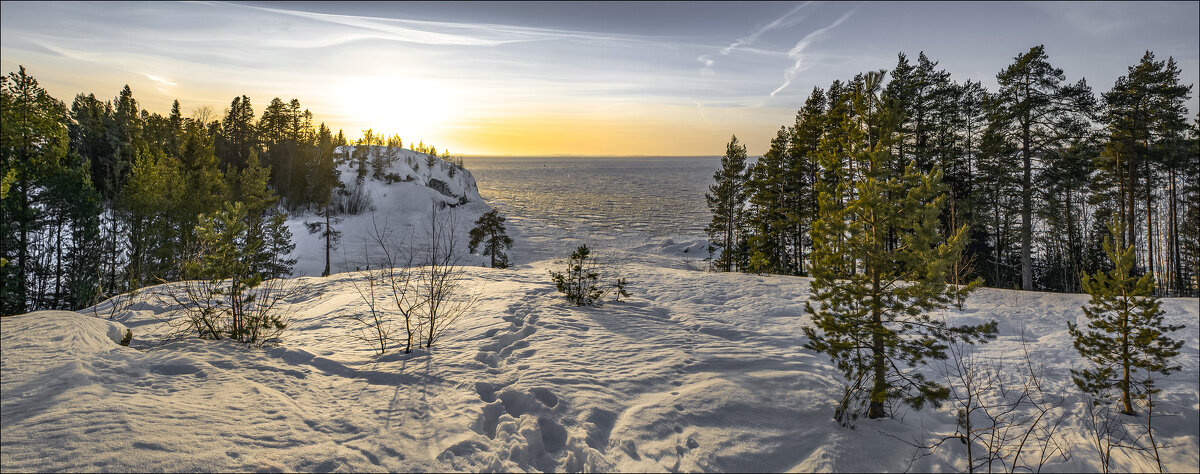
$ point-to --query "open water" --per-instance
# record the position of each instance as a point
(605, 202)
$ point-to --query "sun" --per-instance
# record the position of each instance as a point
(414, 108)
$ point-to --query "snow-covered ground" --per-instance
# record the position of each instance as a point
(697, 371)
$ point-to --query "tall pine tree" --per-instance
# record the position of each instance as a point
(1035, 113)
(725, 199)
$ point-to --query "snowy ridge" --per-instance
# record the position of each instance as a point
(412, 167)
(397, 200)
(697, 371)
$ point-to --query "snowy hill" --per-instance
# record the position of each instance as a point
(697, 371)
(398, 197)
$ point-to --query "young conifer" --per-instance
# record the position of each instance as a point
(489, 230)
(1125, 335)
(871, 301)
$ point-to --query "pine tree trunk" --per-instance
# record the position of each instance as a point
(1131, 199)
(1149, 225)
(1174, 267)
(1026, 213)
(58, 272)
(494, 246)
(328, 239)
(23, 246)
(879, 390)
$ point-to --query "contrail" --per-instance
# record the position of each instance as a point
(788, 19)
(785, 20)
(797, 52)
(447, 33)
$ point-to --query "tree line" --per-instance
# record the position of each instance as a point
(102, 197)
(893, 209)
(1034, 171)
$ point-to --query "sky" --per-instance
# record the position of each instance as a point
(531, 78)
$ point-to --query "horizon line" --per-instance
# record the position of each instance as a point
(552, 155)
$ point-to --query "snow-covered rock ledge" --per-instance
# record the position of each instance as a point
(398, 190)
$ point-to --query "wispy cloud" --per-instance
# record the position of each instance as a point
(790, 18)
(442, 33)
(797, 52)
(159, 80)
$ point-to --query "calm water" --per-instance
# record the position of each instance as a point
(602, 201)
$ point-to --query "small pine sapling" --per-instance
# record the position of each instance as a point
(1126, 337)
(619, 287)
(581, 280)
(580, 283)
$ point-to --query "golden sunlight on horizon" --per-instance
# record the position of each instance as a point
(549, 130)
(410, 107)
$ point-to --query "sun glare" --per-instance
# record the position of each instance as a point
(413, 108)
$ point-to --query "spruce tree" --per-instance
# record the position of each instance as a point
(725, 200)
(489, 230)
(1126, 337)
(237, 137)
(871, 302)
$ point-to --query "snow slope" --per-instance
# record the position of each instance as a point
(697, 371)
(400, 208)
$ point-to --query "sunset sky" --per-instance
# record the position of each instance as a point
(561, 79)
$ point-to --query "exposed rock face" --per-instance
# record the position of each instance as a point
(441, 187)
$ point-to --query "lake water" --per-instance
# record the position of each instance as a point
(620, 203)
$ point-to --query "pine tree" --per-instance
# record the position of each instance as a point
(1036, 113)
(324, 182)
(150, 205)
(237, 135)
(725, 200)
(489, 230)
(870, 304)
(265, 223)
(1146, 120)
(33, 144)
(1125, 336)
(227, 252)
(766, 218)
(804, 174)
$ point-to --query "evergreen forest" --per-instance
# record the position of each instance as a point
(101, 197)
(1033, 172)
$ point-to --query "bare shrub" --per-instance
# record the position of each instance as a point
(117, 304)
(377, 324)
(391, 278)
(211, 309)
(440, 280)
(1006, 419)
